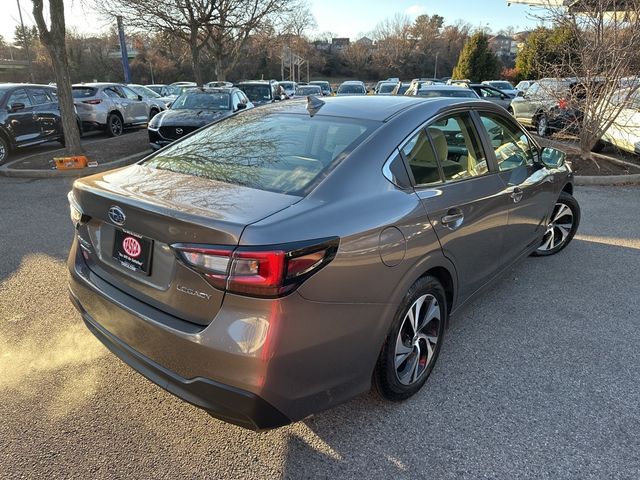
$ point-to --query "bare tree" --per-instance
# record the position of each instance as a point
(236, 21)
(300, 20)
(358, 57)
(53, 38)
(603, 49)
(394, 44)
(188, 20)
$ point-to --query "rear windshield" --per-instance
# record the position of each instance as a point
(502, 85)
(351, 89)
(309, 90)
(447, 93)
(257, 93)
(386, 87)
(250, 150)
(201, 101)
(83, 92)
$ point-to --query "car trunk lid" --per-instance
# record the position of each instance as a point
(161, 209)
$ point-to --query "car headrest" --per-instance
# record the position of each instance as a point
(439, 143)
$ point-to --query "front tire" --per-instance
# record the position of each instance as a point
(4, 150)
(562, 226)
(412, 346)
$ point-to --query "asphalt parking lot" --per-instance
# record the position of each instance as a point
(538, 378)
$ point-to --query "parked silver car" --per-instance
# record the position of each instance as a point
(111, 107)
(154, 99)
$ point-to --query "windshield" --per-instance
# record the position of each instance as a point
(267, 160)
(83, 92)
(310, 90)
(351, 89)
(201, 101)
(432, 93)
(386, 88)
(287, 85)
(144, 91)
(257, 93)
(502, 85)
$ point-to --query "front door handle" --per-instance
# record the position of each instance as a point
(516, 194)
(453, 219)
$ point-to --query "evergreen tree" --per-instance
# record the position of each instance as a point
(477, 62)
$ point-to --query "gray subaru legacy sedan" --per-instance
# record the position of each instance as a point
(265, 276)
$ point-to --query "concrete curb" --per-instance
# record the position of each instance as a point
(6, 171)
(605, 180)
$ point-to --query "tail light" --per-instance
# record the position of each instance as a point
(94, 101)
(272, 271)
(563, 104)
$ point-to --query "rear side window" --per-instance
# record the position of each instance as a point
(422, 159)
(40, 96)
(83, 92)
(251, 150)
(457, 147)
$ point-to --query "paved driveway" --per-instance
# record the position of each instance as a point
(538, 378)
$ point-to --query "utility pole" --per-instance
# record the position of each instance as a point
(26, 43)
(123, 51)
(435, 70)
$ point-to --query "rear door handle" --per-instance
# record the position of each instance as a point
(516, 194)
(453, 219)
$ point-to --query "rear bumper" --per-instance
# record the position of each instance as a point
(259, 364)
(221, 401)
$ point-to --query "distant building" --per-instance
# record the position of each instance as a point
(322, 45)
(505, 47)
(365, 41)
(339, 44)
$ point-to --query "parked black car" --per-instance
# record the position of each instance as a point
(492, 94)
(261, 92)
(29, 115)
(194, 109)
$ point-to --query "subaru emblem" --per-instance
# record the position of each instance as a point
(179, 131)
(116, 215)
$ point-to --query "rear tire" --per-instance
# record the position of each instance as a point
(562, 227)
(412, 346)
(542, 125)
(153, 112)
(114, 125)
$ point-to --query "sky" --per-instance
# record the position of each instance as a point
(345, 18)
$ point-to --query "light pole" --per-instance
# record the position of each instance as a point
(435, 68)
(26, 42)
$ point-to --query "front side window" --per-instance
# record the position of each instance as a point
(130, 94)
(257, 93)
(458, 148)
(111, 92)
(19, 96)
(268, 160)
(512, 146)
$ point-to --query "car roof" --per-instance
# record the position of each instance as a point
(352, 82)
(211, 90)
(256, 82)
(442, 87)
(13, 85)
(378, 108)
(97, 84)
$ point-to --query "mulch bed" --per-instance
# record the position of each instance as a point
(97, 147)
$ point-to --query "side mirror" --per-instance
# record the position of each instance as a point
(139, 98)
(552, 157)
(16, 107)
(520, 93)
(241, 106)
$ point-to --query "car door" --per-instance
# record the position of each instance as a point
(22, 117)
(120, 102)
(47, 112)
(529, 185)
(138, 107)
(463, 198)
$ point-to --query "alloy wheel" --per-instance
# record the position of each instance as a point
(417, 339)
(3, 152)
(558, 228)
(543, 125)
